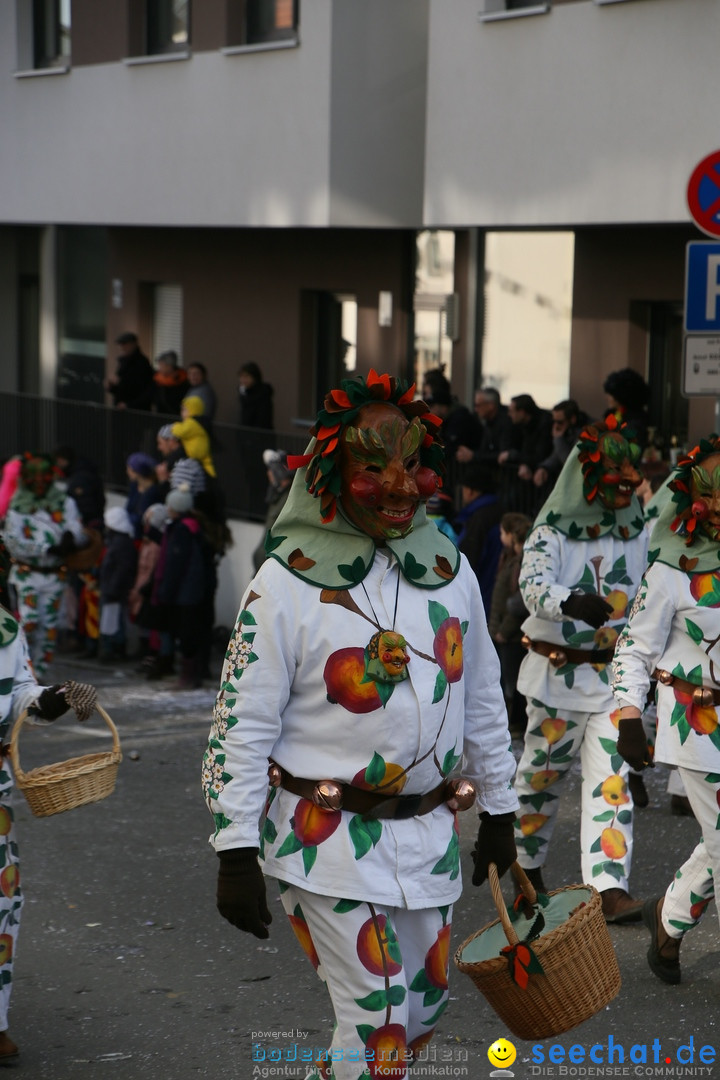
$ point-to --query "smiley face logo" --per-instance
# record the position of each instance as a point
(502, 1054)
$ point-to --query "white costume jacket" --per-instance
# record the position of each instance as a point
(293, 690)
(553, 566)
(674, 625)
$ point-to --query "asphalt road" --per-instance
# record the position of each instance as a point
(125, 970)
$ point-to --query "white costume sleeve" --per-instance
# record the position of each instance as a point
(643, 640)
(541, 566)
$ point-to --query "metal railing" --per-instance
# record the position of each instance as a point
(107, 436)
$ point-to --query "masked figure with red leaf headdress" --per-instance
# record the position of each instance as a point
(673, 636)
(581, 567)
(359, 679)
(42, 528)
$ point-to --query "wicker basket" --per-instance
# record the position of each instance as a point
(51, 789)
(580, 970)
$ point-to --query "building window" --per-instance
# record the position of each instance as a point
(167, 26)
(50, 33)
(167, 319)
(257, 22)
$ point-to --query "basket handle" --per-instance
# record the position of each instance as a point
(14, 755)
(524, 883)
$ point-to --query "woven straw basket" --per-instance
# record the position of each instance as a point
(51, 789)
(580, 970)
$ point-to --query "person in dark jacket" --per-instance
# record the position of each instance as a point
(171, 384)
(84, 484)
(627, 396)
(183, 583)
(497, 430)
(478, 527)
(255, 398)
(117, 575)
(131, 387)
(144, 488)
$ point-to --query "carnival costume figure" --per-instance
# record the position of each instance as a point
(672, 635)
(582, 564)
(20, 691)
(361, 670)
(42, 528)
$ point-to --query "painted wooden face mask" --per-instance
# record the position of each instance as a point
(619, 475)
(382, 480)
(37, 475)
(705, 493)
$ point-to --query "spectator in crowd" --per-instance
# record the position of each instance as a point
(42, 528)
(131, 387)
(279, 480)
(535, 436)
(198, 386)
(507, 614)
(171, 384)
(255, 397)
(154, 521)
(183, 583)
(117, 574)
(567, 423)
(193, 434)
(440, 509)
(627, 396)
(84, 484)
(497, 431)
(171, 451)
(144, 488)
(478, 527)
(459, 426)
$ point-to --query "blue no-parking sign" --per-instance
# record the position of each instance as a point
(702, 287)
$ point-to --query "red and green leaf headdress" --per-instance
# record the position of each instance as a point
(590, 454)
(340, 408)
(685, 521)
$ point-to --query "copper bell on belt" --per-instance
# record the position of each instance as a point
(558, 658)
(274, 775)
(328, 794)
(666, 677)
(703, 696)
(461, 793)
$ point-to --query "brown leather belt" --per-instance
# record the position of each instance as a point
(25, 568)
(371, 804)
(559, 655)
(701, 695)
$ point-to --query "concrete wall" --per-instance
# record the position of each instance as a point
(587, 114)
(329, 132)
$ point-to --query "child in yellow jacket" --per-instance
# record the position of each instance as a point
(192, 434)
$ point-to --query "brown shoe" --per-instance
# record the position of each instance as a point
(663, 954)
(9, 1053)
(619, 907)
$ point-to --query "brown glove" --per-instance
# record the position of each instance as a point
(588, 608)
(632, 744)
(241, 895)
(495, 843)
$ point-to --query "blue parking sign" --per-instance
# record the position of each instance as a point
(702, 287)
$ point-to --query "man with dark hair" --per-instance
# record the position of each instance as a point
(131, 387)
(198, 386)
(496, 430)
(478, 527)
(567, 423)
(535, 438)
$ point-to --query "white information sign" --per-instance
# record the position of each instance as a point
(701, 374)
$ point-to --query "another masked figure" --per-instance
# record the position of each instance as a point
(42, 529)
(581, 568)
(672, 635)
(361, 668)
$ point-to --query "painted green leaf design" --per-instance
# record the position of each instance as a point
(450, 862)
(346, 905)
(437, 614)
(309, 856)
(364, 834)
(289, 846)
(354, 573)
(440, 686)
(412, 568)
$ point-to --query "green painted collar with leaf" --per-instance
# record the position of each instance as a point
(24, 501)
(676, 540)
(8, 628)
(573, 507)
(337, 555)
